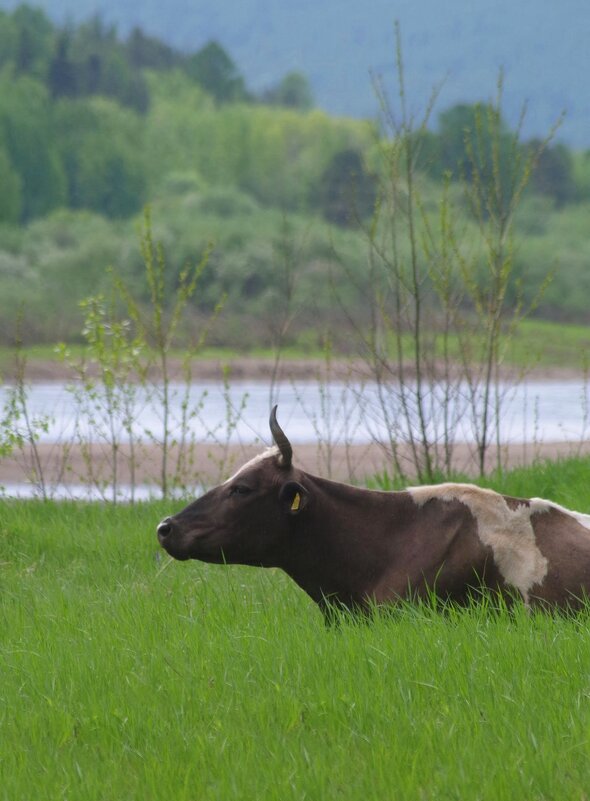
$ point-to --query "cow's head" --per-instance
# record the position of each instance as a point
(246, 520)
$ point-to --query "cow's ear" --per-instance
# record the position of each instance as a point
(293, 498)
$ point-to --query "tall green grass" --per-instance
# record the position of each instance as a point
(126, 676)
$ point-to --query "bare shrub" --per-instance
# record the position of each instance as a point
(441, 294)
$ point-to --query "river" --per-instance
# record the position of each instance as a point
(534, 411)
(339, 413)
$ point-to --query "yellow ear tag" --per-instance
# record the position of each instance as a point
(296, 503)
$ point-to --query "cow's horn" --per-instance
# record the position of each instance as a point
(281, 440)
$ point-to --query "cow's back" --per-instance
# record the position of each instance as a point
(564, 541)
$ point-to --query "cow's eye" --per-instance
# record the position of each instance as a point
(239, 489)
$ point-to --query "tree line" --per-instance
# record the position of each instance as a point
(89, 120)
(91, 58)
(468, 133)
(60, 145)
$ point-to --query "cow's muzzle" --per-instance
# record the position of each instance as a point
(165, 529)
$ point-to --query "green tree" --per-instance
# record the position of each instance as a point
(148, 52)
(293, 91)
(8, 39)
(426, 149)
(61, 75)
(169, 135)
(98, 143)
(478, 147)
(581, 174)
(103, 66)
(346, 192)
(27, 136)
(553, 174)
(468, 133)
(11, 194)
(35, 39)
(215, 71)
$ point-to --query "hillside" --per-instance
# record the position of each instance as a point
(338, 43)
(95, 125)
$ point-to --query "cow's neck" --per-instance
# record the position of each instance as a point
(334, 553)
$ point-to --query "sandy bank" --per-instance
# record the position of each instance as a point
(210, 464)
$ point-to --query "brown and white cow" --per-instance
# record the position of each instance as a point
(357, 547)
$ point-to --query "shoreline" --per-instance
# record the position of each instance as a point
(259, 368)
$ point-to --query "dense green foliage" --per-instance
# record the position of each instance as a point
(445, 151)
(129, 676)
(60, 146)
(55, 140)
(337, 46)
(93, 126)
(52, 263)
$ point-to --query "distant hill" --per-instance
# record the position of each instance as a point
(542, 46)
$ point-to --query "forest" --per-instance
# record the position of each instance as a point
(95, 127)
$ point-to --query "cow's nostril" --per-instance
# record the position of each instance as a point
(164, 528)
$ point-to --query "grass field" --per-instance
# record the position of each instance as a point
(126, 676)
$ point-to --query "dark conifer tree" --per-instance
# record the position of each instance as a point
(61, 77)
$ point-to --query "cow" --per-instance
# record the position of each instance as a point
(357, 548)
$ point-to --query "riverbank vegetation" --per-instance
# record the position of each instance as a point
(194, 680)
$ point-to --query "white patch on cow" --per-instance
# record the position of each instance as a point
(508, 532)
(267, 454)
(540, 505)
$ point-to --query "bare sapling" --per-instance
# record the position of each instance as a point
(495, 176)
(410, 291)
(159, 325)
(285, 308)
(106, 391)
(21, 428)
(441, 291)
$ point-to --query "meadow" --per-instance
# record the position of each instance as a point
(128, 676)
